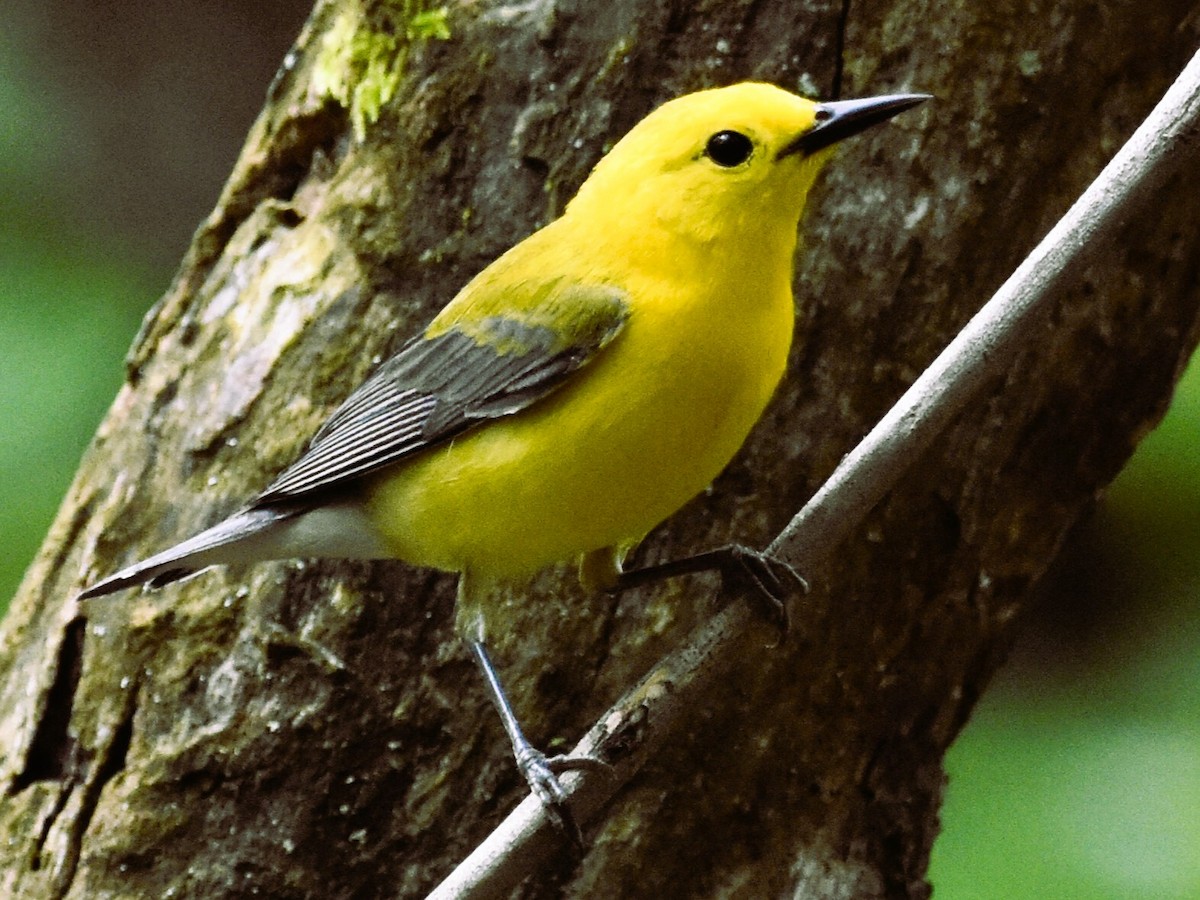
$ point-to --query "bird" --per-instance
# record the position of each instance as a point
(575, 393)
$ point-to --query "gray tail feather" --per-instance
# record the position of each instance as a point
(211, 547)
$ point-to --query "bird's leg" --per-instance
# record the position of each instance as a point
(540, 772)
(742, 569)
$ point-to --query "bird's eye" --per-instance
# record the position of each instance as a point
(729, 148)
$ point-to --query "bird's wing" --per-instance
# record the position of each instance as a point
(459, 373)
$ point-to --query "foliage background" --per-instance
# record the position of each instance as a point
(1079, 775)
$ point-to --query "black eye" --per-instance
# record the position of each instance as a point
(729, 148)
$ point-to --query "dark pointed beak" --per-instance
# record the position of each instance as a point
(840, 119)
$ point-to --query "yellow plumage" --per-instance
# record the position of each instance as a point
(704, 258)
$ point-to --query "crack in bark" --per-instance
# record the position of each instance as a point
(51, 753)
(109, 760)
(60, 803)
(839, 50)
(56, 755)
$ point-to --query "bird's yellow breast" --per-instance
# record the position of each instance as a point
(634, 435)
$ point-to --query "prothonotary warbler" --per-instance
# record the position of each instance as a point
(579, 390)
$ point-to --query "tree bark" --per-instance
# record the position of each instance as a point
(315, 730)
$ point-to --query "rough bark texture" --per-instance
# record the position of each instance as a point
(302, 730)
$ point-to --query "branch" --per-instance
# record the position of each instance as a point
(629, 733)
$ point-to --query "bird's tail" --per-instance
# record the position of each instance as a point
(211, 547)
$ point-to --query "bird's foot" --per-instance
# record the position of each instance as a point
(742, 570)
(767, 579)
(541, 774)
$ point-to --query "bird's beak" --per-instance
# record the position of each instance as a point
(839, 119)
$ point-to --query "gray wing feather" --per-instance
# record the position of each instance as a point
(436, 388)
(194, 554)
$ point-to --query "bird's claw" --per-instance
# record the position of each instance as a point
(541, 774)
(747, 570)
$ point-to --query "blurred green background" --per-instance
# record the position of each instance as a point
(1079, 775)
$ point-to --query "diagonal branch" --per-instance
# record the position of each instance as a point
(639, 723)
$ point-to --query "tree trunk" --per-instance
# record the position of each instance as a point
(315, 730)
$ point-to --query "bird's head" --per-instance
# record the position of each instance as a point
(728, 161)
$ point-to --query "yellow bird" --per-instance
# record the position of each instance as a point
(580, 389)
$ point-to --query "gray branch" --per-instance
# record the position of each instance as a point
(640, 722)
